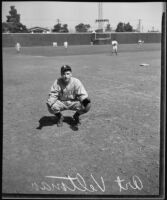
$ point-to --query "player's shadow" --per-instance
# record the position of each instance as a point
(52, 120)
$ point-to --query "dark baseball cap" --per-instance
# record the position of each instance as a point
(65, 68)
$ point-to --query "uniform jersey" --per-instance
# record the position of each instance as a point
(18, 46)
(114, 43)
(65, 44)
(72, 92)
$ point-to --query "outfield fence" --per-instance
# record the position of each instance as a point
(42, 39)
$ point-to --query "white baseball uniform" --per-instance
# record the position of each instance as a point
(66, 97)
(66, 44)
(114, 45)
(18, 46)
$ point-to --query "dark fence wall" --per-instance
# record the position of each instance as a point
(42, 39)
(9, 40)
(129, 38)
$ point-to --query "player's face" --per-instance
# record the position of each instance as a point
(66, 76)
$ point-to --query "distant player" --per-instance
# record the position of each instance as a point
(18, 47)
(66, 44)
(68, 93)
(55, 44)
(140, 42)
(92, 37)
(114, 44)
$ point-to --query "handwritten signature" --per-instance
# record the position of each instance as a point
(136, 183)
(78, 183)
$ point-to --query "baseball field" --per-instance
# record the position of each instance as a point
(116, 149)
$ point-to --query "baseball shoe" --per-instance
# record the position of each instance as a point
(77, 120)
(60, 120)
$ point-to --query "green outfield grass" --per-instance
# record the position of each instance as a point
(118, 137)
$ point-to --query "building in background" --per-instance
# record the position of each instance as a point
(38, 30)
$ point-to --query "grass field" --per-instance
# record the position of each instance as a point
(116, 149)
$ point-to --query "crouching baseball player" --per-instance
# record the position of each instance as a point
(68, 93)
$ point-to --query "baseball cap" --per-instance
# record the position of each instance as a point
(65, 68)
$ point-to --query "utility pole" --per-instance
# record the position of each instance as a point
(139, 26)
(100, 19)
(100, 15)
(58, 20)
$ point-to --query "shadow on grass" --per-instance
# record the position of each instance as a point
(52, 120)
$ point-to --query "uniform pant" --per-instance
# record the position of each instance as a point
(115, 48)
(66, 105)
(18, 49)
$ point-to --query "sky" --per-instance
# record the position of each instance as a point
(47, 13)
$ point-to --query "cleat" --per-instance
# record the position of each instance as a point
(76, 118)
(60, 120)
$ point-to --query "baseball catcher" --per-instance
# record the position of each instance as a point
(68, 93)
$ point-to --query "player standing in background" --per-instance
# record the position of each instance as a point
(68, 93)
(18, 47)
(92, 37)
(140, 42)
(114, 44)
(66, 44)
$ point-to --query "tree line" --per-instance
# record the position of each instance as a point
(13, 25)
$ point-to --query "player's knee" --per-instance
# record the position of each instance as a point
(87, 108)
(86, 104)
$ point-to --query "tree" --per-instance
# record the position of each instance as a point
(13, 24)
(56, 28)
(60, 28)
(5, 28)
(128, 27)
(122, 27)
(13, 17)
(82, 27)
(13, 28)
(64, 28)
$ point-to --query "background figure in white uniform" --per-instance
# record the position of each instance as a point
(66, 44)
(140, 42)
(18, 46)
(114, 44)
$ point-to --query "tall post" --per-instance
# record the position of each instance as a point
(100, 15)
(139, 25)
(58, 21)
